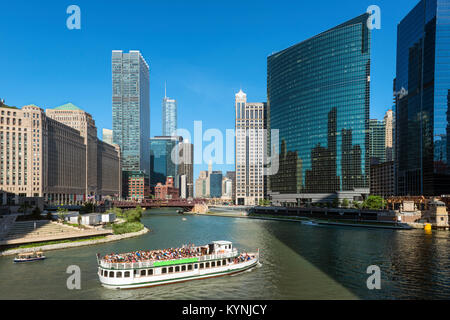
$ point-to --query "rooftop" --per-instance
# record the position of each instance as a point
(68, 107)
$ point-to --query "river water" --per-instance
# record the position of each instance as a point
(297, 262)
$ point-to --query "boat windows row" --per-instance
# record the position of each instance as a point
(165, 270)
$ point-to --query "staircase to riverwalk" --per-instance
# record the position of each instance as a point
(42, 230)
(6, 222)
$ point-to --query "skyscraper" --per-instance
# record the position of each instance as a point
(250, 150)
(231, 175)
(377, 141)
(202, 185)
(318, 98)
(215, 184)
(389, 135)
(161, 162)
(186, 169)
(107, 136)
(422, 89)
(169, 116)
(131, 109)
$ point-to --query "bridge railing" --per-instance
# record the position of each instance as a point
(173, 203)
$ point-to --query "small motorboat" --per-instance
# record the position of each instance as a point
(310, 223)
(29, 257)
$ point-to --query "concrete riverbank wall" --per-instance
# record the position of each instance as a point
(66, 245)
(327, 213)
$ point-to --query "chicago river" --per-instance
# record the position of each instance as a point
(297, 262)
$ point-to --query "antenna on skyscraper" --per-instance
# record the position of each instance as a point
(165, 89)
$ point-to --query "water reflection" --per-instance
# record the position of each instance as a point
(298, 262)
(413, 265)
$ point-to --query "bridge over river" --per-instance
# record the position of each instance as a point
(153, 203)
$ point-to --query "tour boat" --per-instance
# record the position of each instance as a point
(30, 256)
(158, 267)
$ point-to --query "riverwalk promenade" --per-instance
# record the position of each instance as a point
(108, 238)
(21, 232)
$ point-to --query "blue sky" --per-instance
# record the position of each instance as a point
(205, 50)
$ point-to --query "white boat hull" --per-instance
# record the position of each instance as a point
(136, 281)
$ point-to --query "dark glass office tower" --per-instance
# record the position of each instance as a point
(215, 187)
(319, 93)
(377, 141)
(422, 89)
(161, 164)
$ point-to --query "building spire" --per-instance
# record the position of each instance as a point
(165, 89)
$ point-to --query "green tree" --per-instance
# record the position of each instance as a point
(88, 207)
(62, 213)
(134, 215)
(356, 204)
(345, 203)
(374, 203)
(117, 211)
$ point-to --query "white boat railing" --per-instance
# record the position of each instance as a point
(150, 263)
(218, 256)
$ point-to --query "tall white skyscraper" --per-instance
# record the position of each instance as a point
(186, 169)
(250, 150)
(169, 115)
(389, 135)
(107, 136)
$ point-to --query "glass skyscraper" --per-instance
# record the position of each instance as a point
(131, 109)
(318, 99)
(215, 184)
(377, 141)
(161, 164)
(169, 116)
(422, 88)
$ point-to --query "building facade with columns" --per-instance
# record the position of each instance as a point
(44, 157)
(251, 140)
(41, 157)
(74, 117)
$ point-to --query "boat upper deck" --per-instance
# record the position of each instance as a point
(156, 258)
